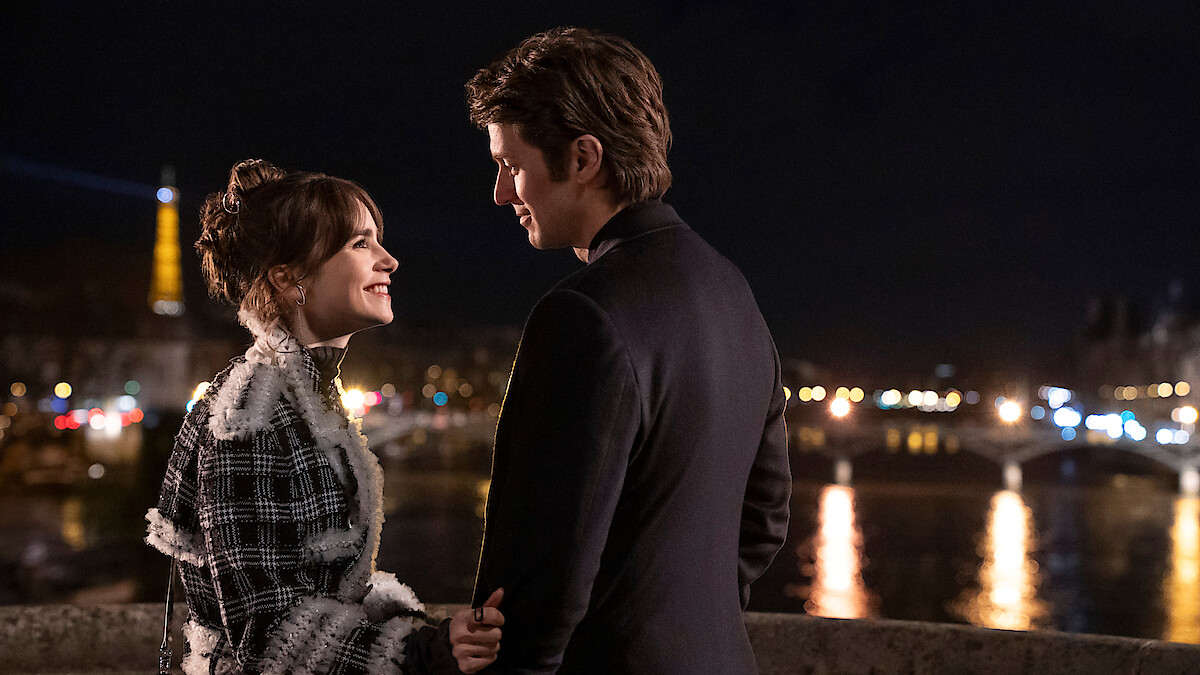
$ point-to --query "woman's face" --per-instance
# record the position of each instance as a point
(349, 292)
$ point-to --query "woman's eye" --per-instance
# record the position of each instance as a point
(361, 243)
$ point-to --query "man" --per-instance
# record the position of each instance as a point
(640, 479)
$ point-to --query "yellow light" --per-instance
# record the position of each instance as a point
(200, 389)
(953, 399)
(891, 397)
(818, 393)
(18, 389)
(434, 372)
(915, 397)
(842, 392)
(1119, 393)
(915, 440)
(388, 390)
(429, 390)
(1165, 389)
(840, 407)
(805, 394)
(10, 409)
(62, 390)
(1131, 393)
(787, 394)
(465, 390)
(893, 439)
(1188, 414)
(1010, 411)
(353, 399)
(1182, 388)
(857, 395)
(929, 398)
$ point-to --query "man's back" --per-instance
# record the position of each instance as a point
(683, 500)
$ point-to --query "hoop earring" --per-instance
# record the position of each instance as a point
(302, 299)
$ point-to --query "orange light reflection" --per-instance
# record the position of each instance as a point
(1008, 579)
(838, 590)
(1181, 589)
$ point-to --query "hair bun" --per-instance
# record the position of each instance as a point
(251, 173)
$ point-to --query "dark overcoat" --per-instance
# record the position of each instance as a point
(640, 477)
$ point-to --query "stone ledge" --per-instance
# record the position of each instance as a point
(119, 639)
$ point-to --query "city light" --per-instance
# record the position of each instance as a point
(840, 407)
(842, 392)
(1187, 415)
(62, 390)
(353, 399)
(818, 393)
(1182, 388)
(805, 394)
(1066, 417)
(891, 397)
(857, 395)
(441, 399)
(1010, 411)
(787, 394)
(18, 389)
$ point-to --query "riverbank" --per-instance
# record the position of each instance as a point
(121, 639)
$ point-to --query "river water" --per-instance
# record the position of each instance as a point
(1118, 556)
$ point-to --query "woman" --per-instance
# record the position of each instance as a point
(272, 502)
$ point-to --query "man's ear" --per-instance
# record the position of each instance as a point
(586, 159)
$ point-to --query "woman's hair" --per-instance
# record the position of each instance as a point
(558, 85)
(268, 217)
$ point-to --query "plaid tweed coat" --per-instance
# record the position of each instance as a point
(272, 503)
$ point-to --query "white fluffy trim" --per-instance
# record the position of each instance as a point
(334, 544)
(388, 597)
(201, 641)
(243, 405)
(169, 540)
(308, 641)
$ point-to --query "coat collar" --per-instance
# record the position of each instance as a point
(631, 222)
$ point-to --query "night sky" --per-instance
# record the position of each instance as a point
(903, 184)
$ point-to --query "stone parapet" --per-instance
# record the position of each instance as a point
(109, 639)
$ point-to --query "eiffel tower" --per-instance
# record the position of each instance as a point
(166, 286)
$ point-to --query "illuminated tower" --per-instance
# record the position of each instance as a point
(166, 287)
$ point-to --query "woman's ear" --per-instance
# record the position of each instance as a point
(281, 278)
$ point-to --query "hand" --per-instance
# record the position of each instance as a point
(475, 634)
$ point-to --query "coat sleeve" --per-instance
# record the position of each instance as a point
(569, 421)
(257, 508)
(768, 492)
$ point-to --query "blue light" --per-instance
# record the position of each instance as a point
(1037, 412)
(58, 405)
(165, 195)
(1127, 415)
(1068, 433)
(440, 398)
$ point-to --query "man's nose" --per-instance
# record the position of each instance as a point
(505, 191)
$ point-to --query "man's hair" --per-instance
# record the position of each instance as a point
(559, 85)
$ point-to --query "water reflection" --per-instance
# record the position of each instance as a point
(1181, 591)
(1008, 578)
(837, 585)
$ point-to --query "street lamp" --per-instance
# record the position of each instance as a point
(1010, 411)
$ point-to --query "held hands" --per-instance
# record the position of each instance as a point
(475, 634)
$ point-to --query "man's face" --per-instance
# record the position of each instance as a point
(549, 210)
